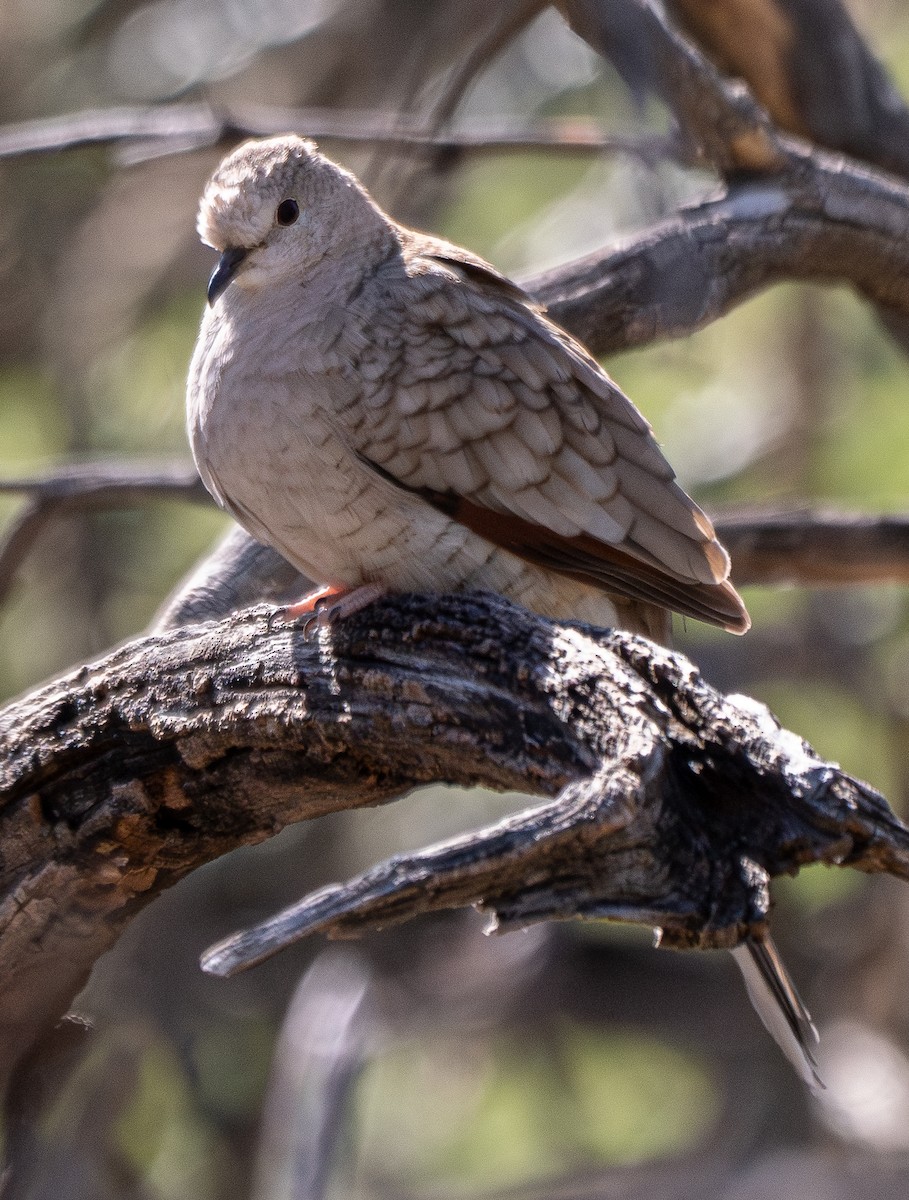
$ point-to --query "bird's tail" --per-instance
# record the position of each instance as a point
(779, 1006)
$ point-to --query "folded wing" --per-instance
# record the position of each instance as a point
(498, 418)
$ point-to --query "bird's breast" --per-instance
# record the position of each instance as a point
(268, 446)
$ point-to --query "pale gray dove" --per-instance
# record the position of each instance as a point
(391, 414)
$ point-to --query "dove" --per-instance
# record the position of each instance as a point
(392, 414)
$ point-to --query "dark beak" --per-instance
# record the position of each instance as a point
(225, 271)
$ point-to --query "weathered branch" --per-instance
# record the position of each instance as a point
(831, 221)
(806, 62)
(694, 801)
(121, 777)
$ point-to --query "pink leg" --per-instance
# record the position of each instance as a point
(329, 604)
(309, 603)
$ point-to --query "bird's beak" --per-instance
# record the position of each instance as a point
(224, 272)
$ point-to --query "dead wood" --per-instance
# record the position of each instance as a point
(674, 805)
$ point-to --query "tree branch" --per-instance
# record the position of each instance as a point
(82, 487)
(121, 777)
(830, 221)
(816, 549)
(823, 220)
(805, 61)
(159, 130)
(728, 127)
(805, 547)
(807, 64)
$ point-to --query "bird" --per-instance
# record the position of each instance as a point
(392, 414)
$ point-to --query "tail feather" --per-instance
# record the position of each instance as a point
(779, 1006)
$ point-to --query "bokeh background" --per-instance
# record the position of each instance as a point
(567, 1061)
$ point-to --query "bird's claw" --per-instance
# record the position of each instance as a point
(325, 612)
(322, 609)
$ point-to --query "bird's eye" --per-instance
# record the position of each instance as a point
(287, 212)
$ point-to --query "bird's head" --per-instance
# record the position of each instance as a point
(275, 205)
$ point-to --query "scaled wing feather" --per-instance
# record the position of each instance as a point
(518, 434)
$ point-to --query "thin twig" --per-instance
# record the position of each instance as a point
(459, 79)
(180, 128)
(481, 55)
(87, 483)
(82, 487)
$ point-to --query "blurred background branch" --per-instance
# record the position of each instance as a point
(731, 131)
(803, 548)
(154, 132)
(80, 488)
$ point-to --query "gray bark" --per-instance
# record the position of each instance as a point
(673, 804)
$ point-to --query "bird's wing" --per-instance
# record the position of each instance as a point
(470, 397)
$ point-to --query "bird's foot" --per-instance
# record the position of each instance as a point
(327, 605)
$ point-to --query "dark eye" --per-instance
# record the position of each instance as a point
(287, 212)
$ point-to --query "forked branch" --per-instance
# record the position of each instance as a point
(673, 804)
